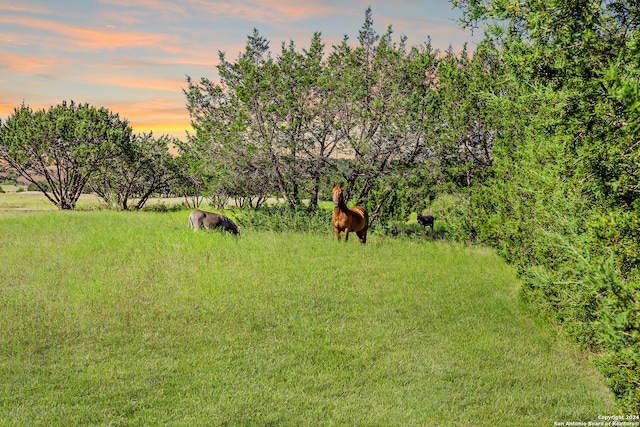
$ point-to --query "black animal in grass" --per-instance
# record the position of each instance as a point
(210, 220)
(426, 220)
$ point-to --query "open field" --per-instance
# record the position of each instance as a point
(35, 200)
(130, 319)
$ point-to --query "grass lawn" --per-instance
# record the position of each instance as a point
(130, 319)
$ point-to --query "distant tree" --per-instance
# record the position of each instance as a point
(8, 175)
(140, 167)
(62, 146)
(192, 179)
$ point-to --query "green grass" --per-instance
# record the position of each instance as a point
(35, 200)
(130, 319)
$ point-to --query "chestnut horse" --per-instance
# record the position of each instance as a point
(348, 219)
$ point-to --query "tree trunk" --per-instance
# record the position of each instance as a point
(375, 213)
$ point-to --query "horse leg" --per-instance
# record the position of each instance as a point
(335, 230)
(346, 235)
(362, 235)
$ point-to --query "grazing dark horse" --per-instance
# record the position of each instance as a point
(425, 220)
(348, 219)
(210, 220)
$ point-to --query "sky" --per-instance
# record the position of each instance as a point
(133, 56)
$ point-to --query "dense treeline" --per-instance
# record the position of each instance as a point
(530, 143)
(562, 199)
(366, 115)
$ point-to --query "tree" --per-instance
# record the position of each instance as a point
(384, 111)
(286, 121)
(468, 123)
(139, 168)
(62, 147)
(192, 176)
(564, 203)
(306, 100)
(236, 137)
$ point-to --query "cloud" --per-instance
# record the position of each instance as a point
(154, 84)
(266, 12)
(89, 38)
(168, 9)
(28, 64)
(23, 9)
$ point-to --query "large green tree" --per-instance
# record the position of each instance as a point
(385, 109)
(564, 203)
(285, 124)
(236, 121)
(59, 149)
(468, 122)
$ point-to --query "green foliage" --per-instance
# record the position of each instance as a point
(64, 145)
(454, 210)
(164, 207)
(469, 125)
(41, 186)
(411, 230)
(284, 124)
(561, 202)
(585, 294)
(139, 167)
(283, 218)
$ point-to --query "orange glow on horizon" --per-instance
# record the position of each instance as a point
(142, 118)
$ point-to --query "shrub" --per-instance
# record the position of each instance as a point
(454, 211)
(585, 293)
(33, 187)
(284, 218)
(412, 230)
(163, 207)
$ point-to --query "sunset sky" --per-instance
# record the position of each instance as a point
(133, 56)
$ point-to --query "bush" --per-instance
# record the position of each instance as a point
(599, 309)
(163, 207)
(454, 211)
(284, 218)
(1, 190)
(33, 187)
(412, 230)
(400, 229)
